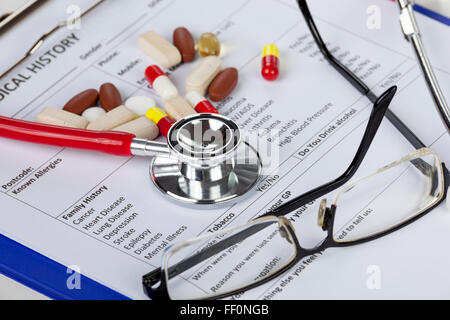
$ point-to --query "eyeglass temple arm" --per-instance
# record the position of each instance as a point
(379, 109)
(421, 165)
(357, 83)
(353, 79)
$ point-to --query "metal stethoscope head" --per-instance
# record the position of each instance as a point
(205, 161)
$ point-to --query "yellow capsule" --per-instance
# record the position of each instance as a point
(209, 45)
(271, 50)
(155, 114)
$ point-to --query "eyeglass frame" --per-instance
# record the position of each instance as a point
(380, 109)
(255, 226)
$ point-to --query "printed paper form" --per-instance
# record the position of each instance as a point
(74, 194)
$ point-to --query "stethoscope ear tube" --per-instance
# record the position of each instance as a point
(116, 143)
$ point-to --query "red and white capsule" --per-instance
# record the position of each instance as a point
(270, 63)
(161, 82)
(200, 103)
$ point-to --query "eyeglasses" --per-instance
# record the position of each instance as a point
(193, 260)
(241, 258)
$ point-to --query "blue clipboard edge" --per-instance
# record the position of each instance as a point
(49, 277)
(432, 14)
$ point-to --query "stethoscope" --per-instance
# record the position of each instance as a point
(205, 161)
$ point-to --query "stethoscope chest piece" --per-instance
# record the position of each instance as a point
(210, 164)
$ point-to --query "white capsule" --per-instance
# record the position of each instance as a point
(161, 82)
(194, 98)
(92, 114)
(165, 88)
(140, 104)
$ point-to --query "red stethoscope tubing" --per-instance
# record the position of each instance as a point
(111, 142)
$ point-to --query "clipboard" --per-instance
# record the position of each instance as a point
(8, 18)
(432, 14)
(49, 277)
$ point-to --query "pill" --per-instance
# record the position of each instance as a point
(270, 62)
(112, 119)
(223, 84)
(141, 127)
(58, 117)
(82, 101)
(200, 103)
(183, 40)
(159, 49)
(93, 113)
(161, 82)
(208, 45)
(161, 119)
(202, 75)
(178, 108)
(140, 104)
(110, 97)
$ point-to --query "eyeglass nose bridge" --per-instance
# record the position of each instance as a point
(323, 216)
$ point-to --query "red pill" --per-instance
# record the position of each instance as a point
(270, 63)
